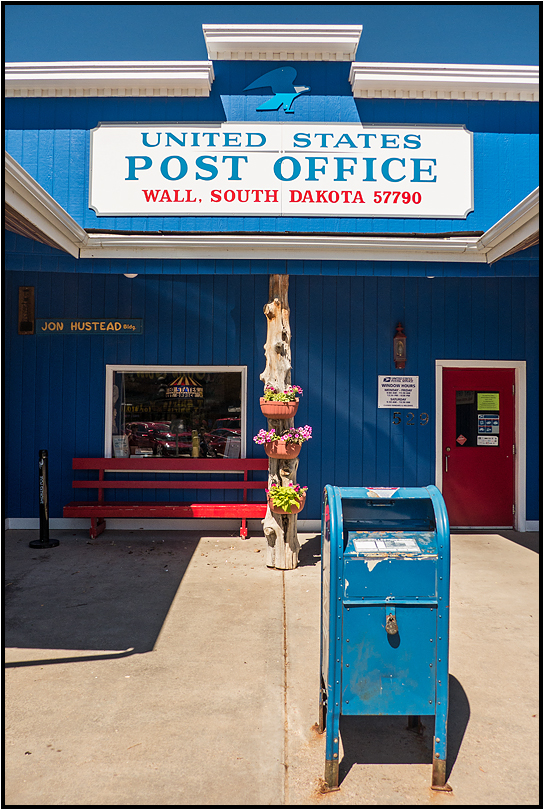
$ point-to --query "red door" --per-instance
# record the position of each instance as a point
(478, 446)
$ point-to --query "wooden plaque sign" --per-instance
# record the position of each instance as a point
(26, 311)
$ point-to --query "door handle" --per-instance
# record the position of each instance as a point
(447, 463)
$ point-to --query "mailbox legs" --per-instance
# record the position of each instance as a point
(439, 749)
(322, 722)
(331, 774)
(439, 775)
(332, 744)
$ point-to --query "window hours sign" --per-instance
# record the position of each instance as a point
(398, 392)
(295, 169)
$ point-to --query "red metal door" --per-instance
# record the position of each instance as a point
(478, 446)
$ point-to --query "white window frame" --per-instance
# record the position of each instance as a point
(127, 368)
(520, 405)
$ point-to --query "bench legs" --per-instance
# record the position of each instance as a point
(97, 527)
(243, 529)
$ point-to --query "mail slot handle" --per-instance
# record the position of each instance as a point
(381, 503)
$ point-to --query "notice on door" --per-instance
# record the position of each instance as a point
(487, 441)
(398, 392)
(488, 401)
(488, 423)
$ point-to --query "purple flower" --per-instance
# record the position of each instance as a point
(291, 435)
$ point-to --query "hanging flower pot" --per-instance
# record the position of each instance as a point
(278, 410)
(294, 510)
(278, 404)
(285, 444)
(281, 449)
(287, 500)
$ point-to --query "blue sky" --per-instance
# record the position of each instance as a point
(477, 33)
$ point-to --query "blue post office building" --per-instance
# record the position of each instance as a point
(148, 204)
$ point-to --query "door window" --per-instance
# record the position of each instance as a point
(477, 418)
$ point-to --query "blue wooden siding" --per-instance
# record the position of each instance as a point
(50, 138)
(342, 337)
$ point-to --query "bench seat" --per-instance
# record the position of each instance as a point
(150, 509)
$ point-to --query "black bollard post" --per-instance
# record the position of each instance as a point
(44, 541)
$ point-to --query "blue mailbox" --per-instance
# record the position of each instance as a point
(384, 611)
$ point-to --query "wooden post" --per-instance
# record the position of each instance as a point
(280, 531)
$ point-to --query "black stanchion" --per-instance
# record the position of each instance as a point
(44, 541)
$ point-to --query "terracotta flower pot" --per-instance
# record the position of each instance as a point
(294, 509)
(278, 410)
(281, 449)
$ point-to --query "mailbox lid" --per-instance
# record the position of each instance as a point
(383, 674)
(394, 563)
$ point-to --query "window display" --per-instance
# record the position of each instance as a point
(196, 412)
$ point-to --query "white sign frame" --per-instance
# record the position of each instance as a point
(398, 392)
(281, 169)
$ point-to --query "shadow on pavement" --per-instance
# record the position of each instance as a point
(530, 540)
(110, 594)
(310, 551)
(372, 739)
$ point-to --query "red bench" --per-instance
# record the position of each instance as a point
(101, 509)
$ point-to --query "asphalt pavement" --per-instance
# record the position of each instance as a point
(174, 668)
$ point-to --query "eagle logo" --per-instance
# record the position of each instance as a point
(280, 81)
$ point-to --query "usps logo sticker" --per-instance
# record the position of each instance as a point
(398, 392)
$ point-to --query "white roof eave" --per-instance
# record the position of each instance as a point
(443, 81)
(282, 42)
(33, 203)
(108, 78)
(368, 79)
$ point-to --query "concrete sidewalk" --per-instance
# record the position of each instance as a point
(170, 668)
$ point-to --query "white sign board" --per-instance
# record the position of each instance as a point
(487, 441)
(276, 169)
(398, 392)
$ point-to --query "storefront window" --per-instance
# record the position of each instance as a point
(195, 412)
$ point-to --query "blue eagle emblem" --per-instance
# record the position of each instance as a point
(280, 81)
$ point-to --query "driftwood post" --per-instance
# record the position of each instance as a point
(280, 531)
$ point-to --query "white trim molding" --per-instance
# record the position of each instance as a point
(108, 79)
(271, 43)
(274, 43)
(520, 407)
(270, 246)
(520, 226)
(461, 82)
(34, 205)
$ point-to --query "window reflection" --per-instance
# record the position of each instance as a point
(171, 413)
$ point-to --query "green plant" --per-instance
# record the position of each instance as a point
(272, 394)
(286, 497)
